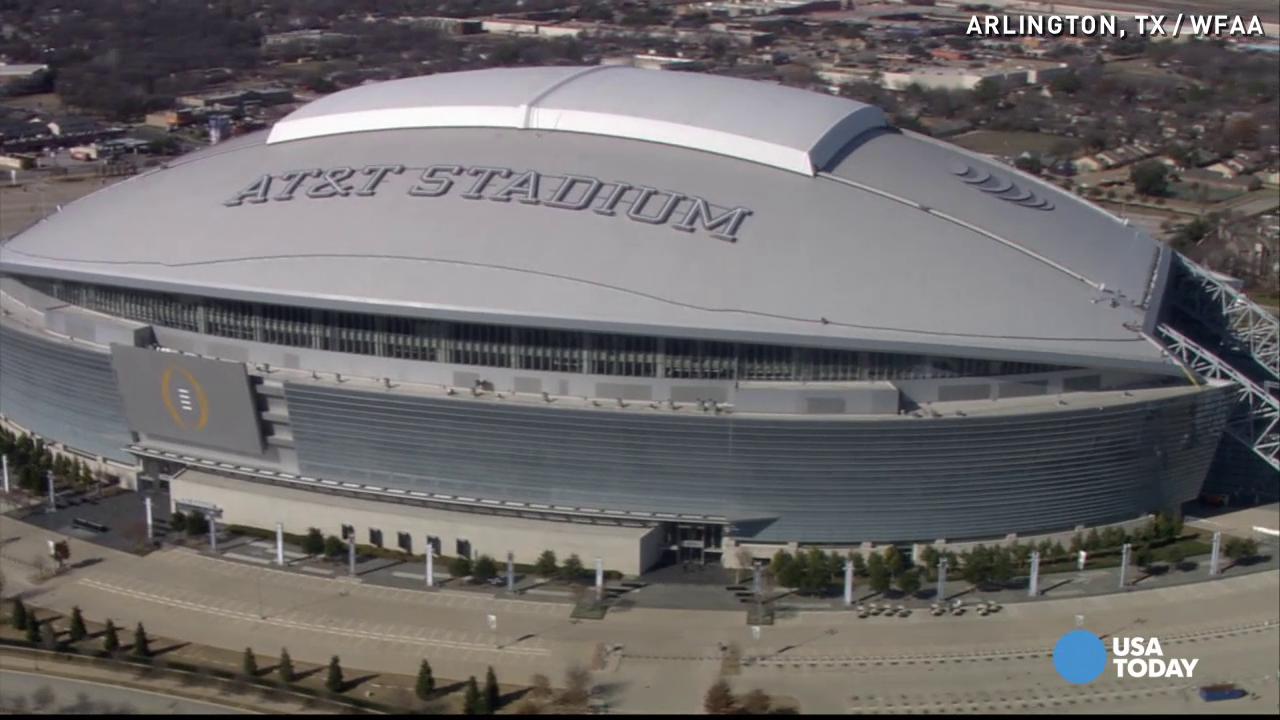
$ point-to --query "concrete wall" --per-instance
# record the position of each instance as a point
(628, 550)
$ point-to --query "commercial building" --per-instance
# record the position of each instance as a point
(612, 312)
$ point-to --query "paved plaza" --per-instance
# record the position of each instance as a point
(827, 661)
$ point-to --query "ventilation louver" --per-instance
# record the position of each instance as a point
(1002, 187)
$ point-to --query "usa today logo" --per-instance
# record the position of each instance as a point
(1080, 657)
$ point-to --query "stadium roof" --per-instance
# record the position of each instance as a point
(783, 127)
(895, 242)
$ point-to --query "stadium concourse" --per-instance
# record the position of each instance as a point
(628, 314)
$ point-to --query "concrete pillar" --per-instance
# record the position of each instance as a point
(1080, 561)
(146, 503)
(53, 504)
(848, 582)
(280, 544)
(1215, 558)
(351, 555)
(4, 460)
(942, 579)
(1033, 588)
(511, 572)
(599, 578)
(431, 570)
(1124, 564)
(756, 584)
(213, 531)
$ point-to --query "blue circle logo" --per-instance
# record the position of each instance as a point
(1080, 657)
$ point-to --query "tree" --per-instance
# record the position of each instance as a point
(141, 643)
(334, 547)
(77, 631)
(572, 568)
(1150, 178)
(909, 582)
(459, 567)
(1241, 549)
(1142, 558)
(987, 91)
(879, 576)
(859, 565)
(110, 638)
(756, 702)
(333, 681)
(426, 682)
(285, 668)
(33, 632)
(471, 699)
(1029, 163)
(1093, 541)
(577, 687)
(540, 686)
(249, 664)
(894, 560)
(719, 699)
(546, 565)
(313, 544)
(197, 524)
(492, 695)
(484, 568)
(19, 618)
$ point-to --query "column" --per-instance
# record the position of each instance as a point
(53, 505)
(351, 554)
(280, 544)
(213, 531)
(1033, 588)
(431, 570)
(146, 503)
(848, 582)
(4, 461)
(511, 572)
(1215, 558)
(1124, 564)
(756, 585)
(599, 579)
(942, 579)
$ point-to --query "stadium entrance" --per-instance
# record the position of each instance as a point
(695, 542)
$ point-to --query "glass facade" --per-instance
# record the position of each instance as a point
(515, 347)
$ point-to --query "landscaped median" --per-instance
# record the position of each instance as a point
(69, 646)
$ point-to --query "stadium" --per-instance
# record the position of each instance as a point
(612, 312)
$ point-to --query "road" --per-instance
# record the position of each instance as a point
(31, 692)
(827, 661)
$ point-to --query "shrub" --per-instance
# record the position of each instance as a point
(333, 680)
(546, 565)
(77, 631)
(459, 567)
(285, 669)
(110, 637)
(249, 664)
(314, 543)
(719, 699)
(141, 643)
(471, 699)
(19, 618)
(426, 682)
(492, 695)
(484, 568)
(334, 547)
